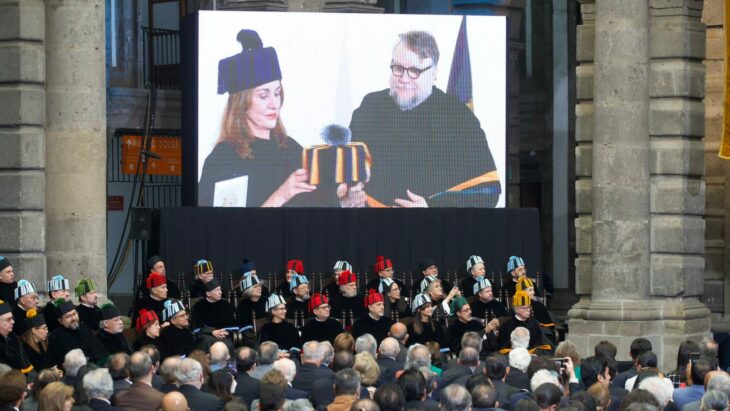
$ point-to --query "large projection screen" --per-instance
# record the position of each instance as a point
(430, 145)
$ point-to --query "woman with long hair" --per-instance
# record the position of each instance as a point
(253, 142)
(35, 340)
(424, 328)
(56, 396)
(396, 305)
(43, 378)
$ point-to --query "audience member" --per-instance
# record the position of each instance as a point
(189, 373)
(99, 388)
(140, 396)
(455, 398)
(174, 401)
(347, 390)
(311, 370)
(56, 396)
(247, 387)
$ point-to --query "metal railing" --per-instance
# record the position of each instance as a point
(161, 58)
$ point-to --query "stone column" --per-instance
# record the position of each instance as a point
(76, 140)
(641, 232)
(22, 149)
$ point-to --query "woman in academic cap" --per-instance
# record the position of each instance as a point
(278, 330)
(148, 329)
(424, 328)
(396, 305)
(35, 340)
(253, 301)
(253, 142)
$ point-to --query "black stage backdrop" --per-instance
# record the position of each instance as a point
(319, 237)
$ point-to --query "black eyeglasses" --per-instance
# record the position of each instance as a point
(413, 72)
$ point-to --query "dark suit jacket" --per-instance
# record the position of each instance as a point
(139, 397)
(199, 400)
(518, 379)
(402, 356)
(247, 388)
(323, 392)
(504, 392)
(388, 367)
(295, 394)
(119, 386)
(452, 374)
(101, 405)
(426, 405)
(307, 375)
(168, 388)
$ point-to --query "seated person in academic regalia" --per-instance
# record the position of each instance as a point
(213, 318)
(516, 269)
(346, 304)
(293, 267)
(424, 328)
(330, 287)
(253, 302)
(26, 298)
(203, 274)
(12, 352)
(7, 282)
(176, 339)
(89, 313)
(278, 329)
(58, 287)
(70, 334)
(465, 322)
(374, 323)
(248, 268)
(539, 311)
(35, 340)
(431, 286)
(396, 305)
(155, 298)
(155, 264)
(322, 327)
(522, 318)
(428, 267)
(477, 270)
(383, 268)
(111, 333)
(484, 305)
(296, 306)
(148, 329)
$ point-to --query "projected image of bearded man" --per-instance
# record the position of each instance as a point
(428, 148)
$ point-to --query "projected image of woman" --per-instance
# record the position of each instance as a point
(254, 163)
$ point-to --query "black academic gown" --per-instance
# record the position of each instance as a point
(377, 328)
(149, 303)
(114, 343)
(480, 309)
(20, 327)
(537, 339)
(51, 313)
(397, 310)
(144, 339)
(209, 316)
(91, 316)
(63, 340)
(13, 354)
(39, 359)
(246, 309)
(7, 292)
(344, 306)
(438, 334)
(327, 330)
(176, 341)
(283, 334)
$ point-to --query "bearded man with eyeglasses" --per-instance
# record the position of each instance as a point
(428, 148)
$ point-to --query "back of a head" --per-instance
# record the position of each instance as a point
(600, 394)
(720, 382)
(546, 395)
(174, 401)
(647, 359)
(54, 396)
(483, 396)
(714, 400)
(526, 405)
(567, 349)
(343, 360)
(418, 356)
(605, 348)
(301, 404)
(469, 357)
(390, 397)
(699, 369)
(638, 396)
(245, 359)
(368, 368)
(219, 353)
(496, 367)
(140, 365)
(413, 384)
(591, 368)
(639, 346)
(347, 382)
(12, 388)
(585, 398)
(73, 360)
(476, 379)
(398, 331)
(153, 352)
(118, 365)
(709, 347)
(685, 349)
(455, 398)
(365, 404)
(520, 337)
(268, 352)
(188, 371)
(98, 384)
(312, 352)
(389, 347)
(471, 339)
(519, 358)
(167, 369)
(366, 343)
(271, 397)
(287, 367)
(659, 387)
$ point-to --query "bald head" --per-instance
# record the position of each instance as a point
(389, 347)
(219, 354)
(399, 332)
(174, 401)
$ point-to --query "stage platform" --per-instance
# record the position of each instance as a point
(320, 237)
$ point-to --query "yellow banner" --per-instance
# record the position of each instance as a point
(725, 144)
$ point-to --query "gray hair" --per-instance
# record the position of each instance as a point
(519, 358)
(140, 364)
(714, 400)
(301, 404)
(347, 382)
(520, 337)
(659, 387)
(268, 352)
(429, 376)
(389, 347)
(188, 371)
(167, 369)
(541, 377)
(287, 367)
(720, 382)
(312, 351)
(219, 353)
(366, 343)
(421, 43)
(418, 356)
(471, 339)
(455, 398)
(73, 360)
(328, 352)
(469, 356)
(98, 384)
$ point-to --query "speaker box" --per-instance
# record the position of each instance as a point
(141, 224)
